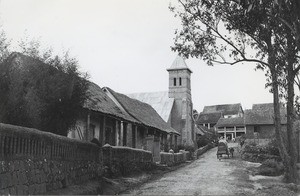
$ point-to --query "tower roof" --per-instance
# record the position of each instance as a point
(179, 64)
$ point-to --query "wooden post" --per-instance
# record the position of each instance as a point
(121, 133)
(117, 133)
(88, 121)
(234, 131)
(103, 132)
(135, 136)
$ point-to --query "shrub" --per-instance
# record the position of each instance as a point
(202, 141)
(271, 167)
(257, 153)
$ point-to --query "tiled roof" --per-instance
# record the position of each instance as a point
(225, 109)
(263, 114)
(160, 101)
(143, 112)
(223, 122)
(98, 101)
(204, 118)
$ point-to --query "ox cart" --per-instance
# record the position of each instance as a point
(223, 149)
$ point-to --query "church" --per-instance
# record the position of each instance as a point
(175, 106)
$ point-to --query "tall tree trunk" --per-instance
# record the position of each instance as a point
(277, 118)
(291, 174)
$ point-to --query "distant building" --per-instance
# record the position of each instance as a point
(175, 106)
(230, 121)
(259, 120)
(226, 119)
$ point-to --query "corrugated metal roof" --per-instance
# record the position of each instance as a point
(160, 101)
(142, 112)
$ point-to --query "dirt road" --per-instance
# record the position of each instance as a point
(205, 176)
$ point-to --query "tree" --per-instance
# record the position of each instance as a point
(4, 45)
(41, 90)
(223, 32)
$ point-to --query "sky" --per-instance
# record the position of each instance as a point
(126, 45)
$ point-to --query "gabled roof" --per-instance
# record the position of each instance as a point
(160, 101)
(227, 122)
(179, 64)
(263, 114)
(205, 130)
(143, 112)
(212, 118)
(98, 101)
(225, 109)
(199, 131)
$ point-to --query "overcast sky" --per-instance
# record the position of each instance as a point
(125, 45)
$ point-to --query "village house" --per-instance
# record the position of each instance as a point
(227, 119)
(103, 120)
(231, 121)
(118, 120)
(175, 106)
(158, 133)
(259, 121)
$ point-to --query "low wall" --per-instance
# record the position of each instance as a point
(202, 150)
(36, 162)
(121, 160)
(171, 158)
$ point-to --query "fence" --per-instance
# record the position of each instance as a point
(171, 158)
(202, 150)
(35, 162)
(120, 160)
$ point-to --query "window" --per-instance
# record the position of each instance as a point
(174, 81)
(180, 81)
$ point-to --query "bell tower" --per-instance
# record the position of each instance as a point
(180, 90)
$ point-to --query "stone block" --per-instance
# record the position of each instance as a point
(11, 166)
(19, 190)
(26, 190)
(14, 178)
(3, 181)
(4, 192)
(43, 188)
(9, 179)
(12, 191)
(31, 189)
(21, 165)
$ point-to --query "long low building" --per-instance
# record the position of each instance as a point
(115, 119)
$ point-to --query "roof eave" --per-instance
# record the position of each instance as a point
(183, 68)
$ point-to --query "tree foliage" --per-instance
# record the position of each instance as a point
(4, 45)
(228, 32)
(41, 90)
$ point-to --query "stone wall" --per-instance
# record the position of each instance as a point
(202, 150)
(170, 158)
(36, 162)
(121, 160)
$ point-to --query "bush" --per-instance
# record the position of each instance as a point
(202, 141)
(255, 153)
(271, 167)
